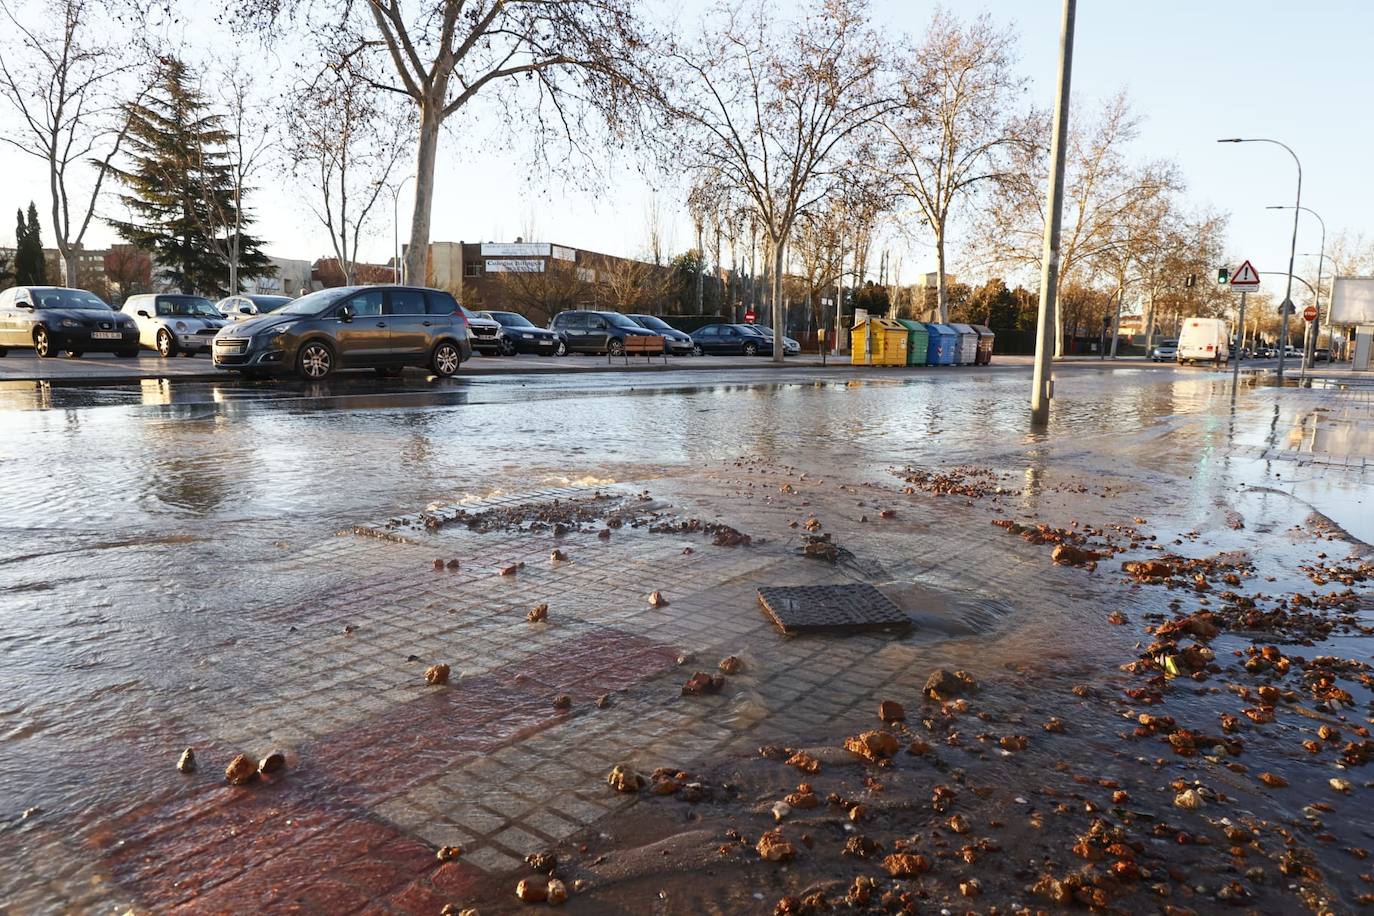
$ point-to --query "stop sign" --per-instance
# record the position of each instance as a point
(749, 316)
(1310, 313)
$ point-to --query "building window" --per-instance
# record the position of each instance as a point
(472, 269)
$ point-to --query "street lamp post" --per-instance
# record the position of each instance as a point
(1310, 343)
(396, 268)
(1293, 249)
(1323, 257)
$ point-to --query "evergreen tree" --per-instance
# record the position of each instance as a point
(30, 267)
(180, 189)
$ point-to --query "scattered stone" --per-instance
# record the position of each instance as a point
(1341, 785)
(272, 763)
(603, 701)
(942, 685)
(532, 890)
(452, 564)
(1116, 618)
(30, 812)
(1054, 724)
(556, 892)
(804, 762)
(438, 565)
(1273, 780)
(875, 746)
(437, 674)
(774, 847)
(702, 683)
(687, 551)
(1014, 742)
(558, 556)
(510, 570)
(240, 770)
(970, 888)
(1189, 800)
(888, 513)
(656, 599)
(539, 613)
(731, 664)
(1069, 555)
(623, 778)
(448, 853)
(604, 534)
(348, 629)
(186, 763)
(780, 810)
(891, 711)
(906, 865)
(562, 701)
(546, 862)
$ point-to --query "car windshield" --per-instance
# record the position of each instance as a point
(617, 320)
(187, 307)
(66, 299)
(755, 330)
(269, 303)
(649, 321)
(315, 303)
(509, 319)
(1168, 343)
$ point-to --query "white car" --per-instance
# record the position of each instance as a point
(250, 305)
(173, 323)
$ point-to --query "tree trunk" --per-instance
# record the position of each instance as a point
(941, 283)
(775, 284)
(69, 265)
(417, 255)
(1149, 322)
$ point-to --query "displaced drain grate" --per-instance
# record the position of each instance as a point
(831, 608)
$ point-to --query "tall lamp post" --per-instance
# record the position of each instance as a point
(1311, 343)
(1323, 257)
(1293, 248)
(396, 268)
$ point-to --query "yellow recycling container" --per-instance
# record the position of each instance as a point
(887, 338)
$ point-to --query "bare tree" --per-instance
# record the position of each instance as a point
(955, 123)
(1104, 192)
(64, 83)
(346, 142)
(548, 65)
(768, 108)
(541, 293)
(631, 286)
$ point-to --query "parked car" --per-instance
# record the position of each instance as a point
(487, 337)
(1164, 351)
(1321, 355)
(1204, 340)
(1292, 352)
(173, 323)
(675, 341)
(518, 335)
(790, 347)
(731, 338)
(377, 327)
(586, 331)
(249, 305)
(52, 319)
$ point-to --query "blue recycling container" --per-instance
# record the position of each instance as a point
(943, 344)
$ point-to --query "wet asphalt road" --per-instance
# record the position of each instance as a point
(135, 516)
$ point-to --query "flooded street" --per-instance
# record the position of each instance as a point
(242, 569)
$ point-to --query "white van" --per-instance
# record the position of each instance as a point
(1204, 339)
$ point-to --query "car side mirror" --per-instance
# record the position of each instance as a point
(24, 305)
(346, 313)
(143, 313)
(245, 310)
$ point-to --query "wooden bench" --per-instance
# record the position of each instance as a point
(642, 345)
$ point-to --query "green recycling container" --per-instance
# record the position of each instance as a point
(917, 340)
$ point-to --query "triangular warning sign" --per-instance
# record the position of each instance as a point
(1245, 275)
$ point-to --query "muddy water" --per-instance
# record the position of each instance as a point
(135, 523)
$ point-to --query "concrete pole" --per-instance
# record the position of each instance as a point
(1235, 357)
(1042, 385)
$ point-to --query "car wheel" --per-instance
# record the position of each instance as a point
(507, 347)
(696, 351)
(751, 349)
(42, 342)
(315, 361)
(446, 359)
(166, 344)
(615, 347)
(75, 354)
(562, 348)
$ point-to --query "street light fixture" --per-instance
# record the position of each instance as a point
(1310, 347)
(395, 229)
(1293, 249)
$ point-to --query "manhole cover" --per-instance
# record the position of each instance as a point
(831, 608)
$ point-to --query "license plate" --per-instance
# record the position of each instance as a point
(231, 349)
(527, 336)
(105, 335)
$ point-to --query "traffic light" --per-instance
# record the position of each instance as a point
(1223, 276)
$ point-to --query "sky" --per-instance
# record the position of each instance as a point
(1197, 70)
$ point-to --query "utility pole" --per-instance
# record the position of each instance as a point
(1042, 383)
(1235, 357)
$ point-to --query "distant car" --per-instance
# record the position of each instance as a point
(790, 347)
(518, 335)
(375, 327)
(1292, 352)
(174, 323)
(1322, 354)
(676, 342)
(731, 339)
(587, 331)
(487, 337)
(249, 305)
(1165, 351)
(52, 319)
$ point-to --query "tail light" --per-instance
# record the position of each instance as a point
(1210, 348)
(464, 318)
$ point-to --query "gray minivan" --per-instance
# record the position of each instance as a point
(351, 327)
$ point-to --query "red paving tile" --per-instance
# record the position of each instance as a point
(304, 843)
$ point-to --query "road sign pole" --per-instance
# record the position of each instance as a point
(1235, 366)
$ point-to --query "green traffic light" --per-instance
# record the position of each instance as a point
(1223, 276)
